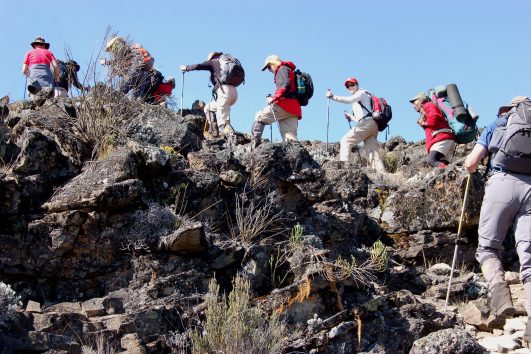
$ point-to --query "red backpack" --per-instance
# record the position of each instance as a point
(380, 111)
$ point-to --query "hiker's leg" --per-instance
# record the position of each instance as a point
(522, 226)
(371, 148)
(499, 207)
(353, 137)
(227, 96)
(288, 128)
(434, 157)
(60, 92)
(261, 119)
(210, 109)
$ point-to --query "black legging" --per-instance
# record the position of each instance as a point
(434, 158)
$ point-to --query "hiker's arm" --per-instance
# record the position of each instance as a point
(474, 158)
(344, 99)
(207, 65)
(25, 70)
(282, 83)
(75, 80)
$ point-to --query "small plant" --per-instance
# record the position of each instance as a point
(233, 326)
(9, 302)
(390, 161)
(295, 237)
(379, 256)
(254, 221)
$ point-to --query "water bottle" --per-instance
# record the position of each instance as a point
(301, 88)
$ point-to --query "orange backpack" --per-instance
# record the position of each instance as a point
(147, 58)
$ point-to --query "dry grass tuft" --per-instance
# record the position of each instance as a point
(233, 326)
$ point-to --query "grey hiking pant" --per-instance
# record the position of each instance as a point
(507, 202)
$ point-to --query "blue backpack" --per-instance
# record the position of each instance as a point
(463, 124)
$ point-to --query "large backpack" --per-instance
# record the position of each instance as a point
(380, 111)
(459, 116)
(513, 141)
(147, 59)
(304, 84)
(63, 74)
(232, 72)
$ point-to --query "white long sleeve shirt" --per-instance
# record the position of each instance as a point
(360, 96)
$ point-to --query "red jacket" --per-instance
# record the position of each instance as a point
(163, 89)
(435, 121)
(286, 86)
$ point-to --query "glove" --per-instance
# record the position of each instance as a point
(269, 99)
(182, 68)
(329, 94)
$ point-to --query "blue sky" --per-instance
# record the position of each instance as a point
(394, 48)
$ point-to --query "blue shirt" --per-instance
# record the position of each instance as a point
(486, 134)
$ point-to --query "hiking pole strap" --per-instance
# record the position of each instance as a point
(465, 198)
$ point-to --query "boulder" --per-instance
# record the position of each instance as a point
(455, 341)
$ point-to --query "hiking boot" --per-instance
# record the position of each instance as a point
(443, 165)
(214, 131)
(501, 301)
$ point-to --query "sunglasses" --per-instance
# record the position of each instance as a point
(350, 85)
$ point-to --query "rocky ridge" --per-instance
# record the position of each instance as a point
(122, 247)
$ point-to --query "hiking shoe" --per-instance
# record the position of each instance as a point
(501, 301)
(443, 165)
(255, 143)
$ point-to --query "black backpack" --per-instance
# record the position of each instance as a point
(232, 72)
(512, 143)
(304, 89)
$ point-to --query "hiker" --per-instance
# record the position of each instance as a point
(507, 201)
(282, 106)
(40, 66)
(366, 129)
(224, 96)
(440, 139)
(67, 77)
(132, 63)
(162, 91)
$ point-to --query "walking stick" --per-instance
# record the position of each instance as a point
(182, 94)
(327, 120)
(457, 240)
(25, 87)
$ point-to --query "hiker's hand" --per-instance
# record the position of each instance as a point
(329, 94)
(269, 99)
(103, 61)
(182, 67)
(87, 88)
(348, 116)
(421, 122)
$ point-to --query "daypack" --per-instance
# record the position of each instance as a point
(380, 111)
(304, 90)
(63, 74)
(232, 72)
(147, 59)
(513, 141)
(155, 79)
(460, 117)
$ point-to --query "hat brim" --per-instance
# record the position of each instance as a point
(266, 66)
(46, 45)
(504, 109)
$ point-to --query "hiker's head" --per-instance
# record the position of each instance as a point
(418, 100)
(514, 102)
(214, 55)
(39, 42)
(352, 85)
(114, 44)
(170, 80)
(271, 63)
(73, 65)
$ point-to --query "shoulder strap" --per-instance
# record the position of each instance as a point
(365, 108)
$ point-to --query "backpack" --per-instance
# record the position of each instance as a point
(155, 79)
(63, 74)
(513, 141)
(463, 124)
(147, 59)
(232, 72)
(304, 87)
(380, 111)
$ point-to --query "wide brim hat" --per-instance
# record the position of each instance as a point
(270, 60)
(111, 42)
(418, 96)
(40, 40)
(213, 54)
(514, 102)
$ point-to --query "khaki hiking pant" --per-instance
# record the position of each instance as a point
(227, 96)
(507, 202)
(365, 131)
(287, 122)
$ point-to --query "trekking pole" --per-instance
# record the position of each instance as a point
(327, 120)
(465, 197)
(182, 93)
(274, 117)
(25, 86)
